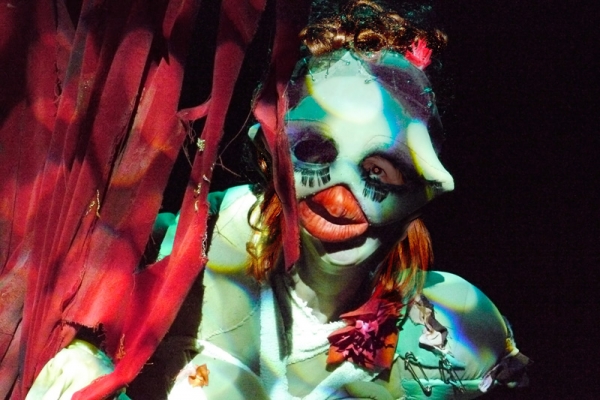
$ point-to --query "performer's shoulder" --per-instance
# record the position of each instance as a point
(231, 232)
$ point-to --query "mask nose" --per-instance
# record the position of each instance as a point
(339, 202)
(333, 215)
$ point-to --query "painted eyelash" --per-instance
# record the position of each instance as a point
(378, 191)
(374, 192)
(374, 188)
(311, 175)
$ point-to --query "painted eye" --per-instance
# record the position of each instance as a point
(382, 170)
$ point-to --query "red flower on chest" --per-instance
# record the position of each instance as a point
(370, 337)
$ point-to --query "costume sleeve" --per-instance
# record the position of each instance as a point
(216, 374)
(73, 368)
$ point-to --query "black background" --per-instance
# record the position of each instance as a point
(519, 109)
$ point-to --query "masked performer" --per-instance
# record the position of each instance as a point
(356, 316)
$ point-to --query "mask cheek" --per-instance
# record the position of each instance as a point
(309, 183)
(394, 207)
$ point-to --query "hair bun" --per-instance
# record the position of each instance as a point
(365, 26)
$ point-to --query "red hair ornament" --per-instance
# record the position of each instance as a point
(419, 55)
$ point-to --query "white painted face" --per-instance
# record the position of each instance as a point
(362, 165)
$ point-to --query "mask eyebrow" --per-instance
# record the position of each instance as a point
(297, 128)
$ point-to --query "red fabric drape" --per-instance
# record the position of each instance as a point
(89, 135)
(270, 109)
(89, 130)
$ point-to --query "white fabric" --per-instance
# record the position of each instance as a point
(183, 390)
(72, 369)
(309, 335)
(210, 350)
(273, 368)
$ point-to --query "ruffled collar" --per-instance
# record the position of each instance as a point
(309, 335)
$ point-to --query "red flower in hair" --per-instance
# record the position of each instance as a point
(419, 54)
(370, 337)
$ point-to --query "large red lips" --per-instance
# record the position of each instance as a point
(333, 215)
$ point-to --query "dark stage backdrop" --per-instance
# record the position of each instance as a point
(518, 104)
(524, 222)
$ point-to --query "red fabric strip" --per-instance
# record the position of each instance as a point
(170, 279)
(270, 110)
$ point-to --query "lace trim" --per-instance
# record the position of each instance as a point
(309, 335)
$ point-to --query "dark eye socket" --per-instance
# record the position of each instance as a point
(315, 149)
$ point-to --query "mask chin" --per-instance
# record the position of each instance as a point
(349, 253)
(369, 248)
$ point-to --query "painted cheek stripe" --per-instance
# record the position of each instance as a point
(333, 215)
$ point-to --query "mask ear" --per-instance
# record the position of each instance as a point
(426, 160)
(263, 155)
